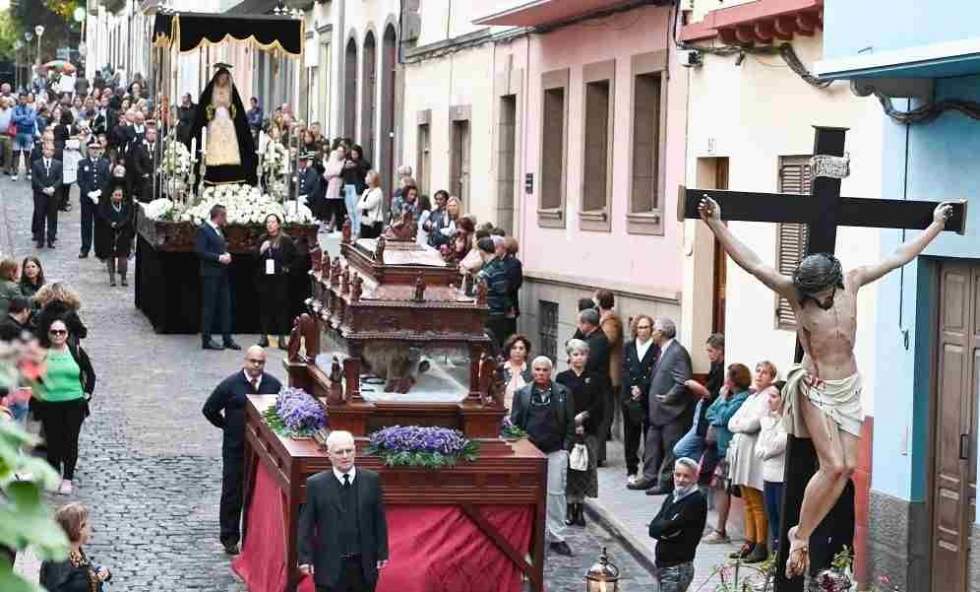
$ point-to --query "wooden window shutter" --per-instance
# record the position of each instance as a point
(794, 177)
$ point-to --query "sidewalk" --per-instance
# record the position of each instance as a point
(627, 513)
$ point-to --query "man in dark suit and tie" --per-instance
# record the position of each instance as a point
(309, 184)
(670, 408)
(212, 250)
(46, 179)
(93, 175)
(143, 157)
(225, 409)
(343, 535)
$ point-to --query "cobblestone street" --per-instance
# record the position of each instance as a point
(150, 463)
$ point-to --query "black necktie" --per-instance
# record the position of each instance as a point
(346, 480)
(47, 167)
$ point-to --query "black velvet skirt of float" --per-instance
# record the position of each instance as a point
(226, 174)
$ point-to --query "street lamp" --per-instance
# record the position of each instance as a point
(18, 45)
(602, 576)
(28, 37)
(40, 32)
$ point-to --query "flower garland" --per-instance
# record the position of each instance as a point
(509, 431)
(176, 161)
(296, 414)
(425, 447)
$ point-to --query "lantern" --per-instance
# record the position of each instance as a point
(602, 576)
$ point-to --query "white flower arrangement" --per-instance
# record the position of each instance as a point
(176, 161)
(275, 160)
(160, 209)
(246, 205)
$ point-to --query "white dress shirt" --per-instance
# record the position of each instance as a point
(642, 348)
(340, 475)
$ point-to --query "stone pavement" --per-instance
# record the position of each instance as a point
(150, 464)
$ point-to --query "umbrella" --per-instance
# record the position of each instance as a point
(62, 66)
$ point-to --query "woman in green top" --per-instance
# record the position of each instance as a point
(62, 393)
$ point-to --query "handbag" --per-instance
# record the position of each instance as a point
(12, 130)
(578, 460)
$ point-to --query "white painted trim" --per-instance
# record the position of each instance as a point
(508, 9)
(919, 54)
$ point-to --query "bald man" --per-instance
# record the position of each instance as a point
(225, 409)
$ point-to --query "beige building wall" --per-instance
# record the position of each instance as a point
(753, 114)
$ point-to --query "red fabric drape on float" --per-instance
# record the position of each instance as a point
(432, 548)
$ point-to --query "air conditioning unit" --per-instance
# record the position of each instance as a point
(690, 58)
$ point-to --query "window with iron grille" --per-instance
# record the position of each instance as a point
(548, 328)
(794, 177)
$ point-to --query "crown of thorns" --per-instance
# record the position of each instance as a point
(817, 272)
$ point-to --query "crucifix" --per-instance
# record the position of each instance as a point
(823, 404)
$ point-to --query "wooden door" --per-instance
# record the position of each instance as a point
(720, 279)
(955, 440)
(459, 163)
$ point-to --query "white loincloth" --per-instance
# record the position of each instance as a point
(840, 400)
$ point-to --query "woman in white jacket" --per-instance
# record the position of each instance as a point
(771, 449)
(370, 205)
(746, 468)
(334, 211)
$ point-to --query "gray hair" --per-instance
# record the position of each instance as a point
(716, 340)
(688, 462)
(543, 361)
(338, 437)
(666, 326)
(590, 316)
(576, 345)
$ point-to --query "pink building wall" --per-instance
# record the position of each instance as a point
(645, 262)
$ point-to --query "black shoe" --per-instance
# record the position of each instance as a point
(83, 255)
(264, 341)
(562, 548)
(112, 281)
(580, 515)
(659, 490)
(211, 344)
(229, 344)
(50, 244)
(122, 280)
(231, 548)
(570, 510)
(759, 554)
(40, 244)
(640, 483)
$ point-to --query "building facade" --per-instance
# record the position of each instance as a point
(598, 112)
(927, 331)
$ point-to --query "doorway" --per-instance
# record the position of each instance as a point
(350, 90)
(459, 163)
(954, 477)
(368, 85)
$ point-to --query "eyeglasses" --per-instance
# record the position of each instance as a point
(58, 332)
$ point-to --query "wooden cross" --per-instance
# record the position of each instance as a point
(822, 213)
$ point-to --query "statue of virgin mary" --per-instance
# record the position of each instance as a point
(227, 146)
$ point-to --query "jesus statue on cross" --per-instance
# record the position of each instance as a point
(822, 396)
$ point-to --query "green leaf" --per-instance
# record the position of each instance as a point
(26, 520)
(11, 582)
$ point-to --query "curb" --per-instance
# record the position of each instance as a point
(640, 551)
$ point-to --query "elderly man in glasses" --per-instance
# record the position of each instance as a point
(544, 409)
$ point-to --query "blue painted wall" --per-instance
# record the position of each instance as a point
(867, 26)
(942, 164)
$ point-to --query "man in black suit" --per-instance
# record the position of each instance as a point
(670, 410)
(225, 409)
(93, 174)
(639, 357)
(343, 535)
(212, 250)
(46, 179)
(143, 158)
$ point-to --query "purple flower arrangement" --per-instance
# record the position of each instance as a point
(509, 431)
(296, 414)
(417, 446)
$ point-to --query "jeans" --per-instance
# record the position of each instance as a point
(773, 493)
(350, 200)
(691, 445)
(676, 578)
(556, 505)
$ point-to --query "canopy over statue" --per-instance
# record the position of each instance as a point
(220, 133)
